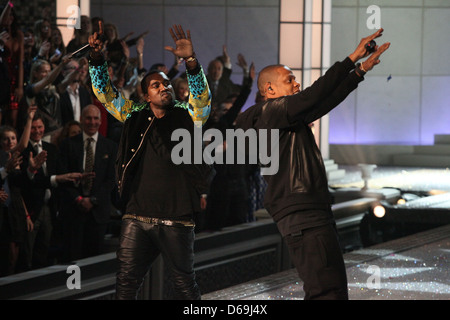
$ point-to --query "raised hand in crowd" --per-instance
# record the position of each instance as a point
(15, 159)
(35, 163)
(3, 196)
(226, 57)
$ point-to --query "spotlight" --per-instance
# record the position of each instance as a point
(379, 211)
(401, 201)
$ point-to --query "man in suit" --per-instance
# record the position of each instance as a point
(219, 73)
(86, 208)
(74, 96)
(41, 167)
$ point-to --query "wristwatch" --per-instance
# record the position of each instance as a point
(359, 71)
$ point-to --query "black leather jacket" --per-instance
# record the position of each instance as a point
(137, 118)
(131, 146)
(301, 181)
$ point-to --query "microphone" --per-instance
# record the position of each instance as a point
(370, 46)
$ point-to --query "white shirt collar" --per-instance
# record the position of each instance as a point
(95, 136)
(34, 143)
(73, 91)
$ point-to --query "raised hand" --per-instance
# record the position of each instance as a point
(360, 51)
(32, 111)
(373, 59)
(3, 196)
(35, 163)
(96, 41)
(252, 72)
(242, 62)
(69, 177)
(14, 161)
(183, 43)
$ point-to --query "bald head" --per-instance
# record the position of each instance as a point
(268, 74)
(277, 80)
(90, 108)
(90, 119)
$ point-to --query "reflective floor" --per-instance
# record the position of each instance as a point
(411, 268)
(404, 178)
(415, 267)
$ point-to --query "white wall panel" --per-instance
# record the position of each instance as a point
(435, 107)
(436, 41)
(388, 111)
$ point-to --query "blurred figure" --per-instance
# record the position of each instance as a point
(181, 88)
(30, 52)
(57, 48)
(42, 32)
(70, 129)
(16, 221)
(228, 198)
(13, 40)
(42, 92)
(80, 36)
(219, 72)
(41, 170)
(74, 96)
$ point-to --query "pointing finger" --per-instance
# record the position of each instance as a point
(100, 27)
(377, 34)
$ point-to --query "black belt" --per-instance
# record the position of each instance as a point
(157, 221)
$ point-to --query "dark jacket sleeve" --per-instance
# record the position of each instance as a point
(315, 101)
(336, 82)
(349, 84)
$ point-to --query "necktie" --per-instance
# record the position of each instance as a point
(38, 149)
(88, 166)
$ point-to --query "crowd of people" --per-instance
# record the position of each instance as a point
(59, 145)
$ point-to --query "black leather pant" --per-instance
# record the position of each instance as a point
(140, 245)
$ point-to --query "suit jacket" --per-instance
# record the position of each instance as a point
(34, 189)
(72, 152)
(225, 88)
(66, 104)
(15, 184)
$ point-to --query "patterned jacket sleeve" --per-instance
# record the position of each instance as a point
(111, 98)
(199, 105)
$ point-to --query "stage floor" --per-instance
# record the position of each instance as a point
(404, 178)
(415, 267)
(411, 268)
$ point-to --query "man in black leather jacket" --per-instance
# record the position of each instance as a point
(297, 196)
(159, 198)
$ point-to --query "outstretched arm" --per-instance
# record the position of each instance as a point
(199, 94)
(113, 100)
(23, 142)
(332, 88)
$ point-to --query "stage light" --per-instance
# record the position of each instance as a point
(379, 211)
(401, 201)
